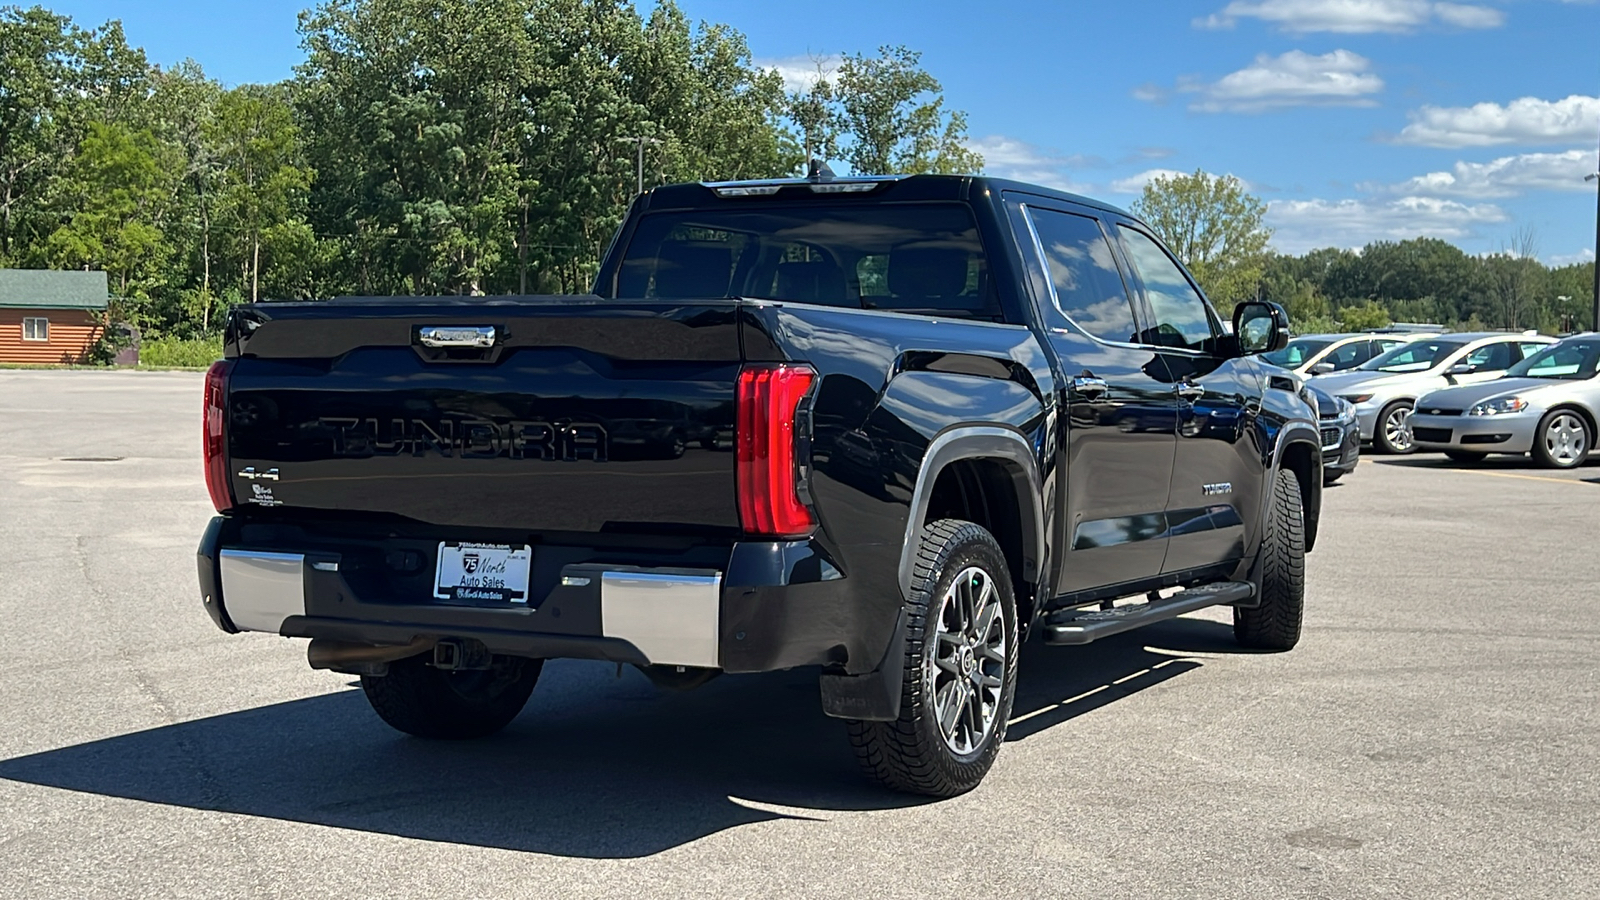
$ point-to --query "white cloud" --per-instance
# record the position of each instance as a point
(1302, 225)
(1507, 176)
(1527, 120)
(1355, 16)
(1567, 259)
(800, 72)
(1134, 184)
(1296, 78)
(1006, 157)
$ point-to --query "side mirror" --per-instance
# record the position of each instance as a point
(1463, 369)
(1260, 327)
(1322, 368)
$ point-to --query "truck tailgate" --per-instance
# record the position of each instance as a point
(580, 416)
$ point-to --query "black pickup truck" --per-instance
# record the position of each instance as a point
(884, 427)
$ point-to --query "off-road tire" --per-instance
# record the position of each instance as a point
(910, 754)
(1380, 434)
(1465, 456)
(418, 699)
(1274, 623)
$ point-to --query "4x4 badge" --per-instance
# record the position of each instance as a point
(251, 473)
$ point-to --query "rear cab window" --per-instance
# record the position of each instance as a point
(922, 258)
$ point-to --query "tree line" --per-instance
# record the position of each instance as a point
(492, 146)
(423, 147)
(1218, 228)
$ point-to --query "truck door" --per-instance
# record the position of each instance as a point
(1217, 473)
(1118, 412)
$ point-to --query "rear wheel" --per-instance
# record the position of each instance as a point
(1393, 434)
(1562, 441)
(960, 668)
(419, 699)
(1466, 456)
(1274, 623)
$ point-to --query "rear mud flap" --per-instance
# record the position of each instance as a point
(875, 696)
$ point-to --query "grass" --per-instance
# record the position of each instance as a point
(177, 353)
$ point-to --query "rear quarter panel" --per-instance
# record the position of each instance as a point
(888, 385)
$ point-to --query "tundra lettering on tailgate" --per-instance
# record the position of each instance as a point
(468, 438)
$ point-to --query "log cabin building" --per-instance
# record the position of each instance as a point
(50, 316)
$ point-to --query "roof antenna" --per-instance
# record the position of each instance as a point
(818, 171)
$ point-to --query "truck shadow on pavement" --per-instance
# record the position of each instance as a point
(597, 767)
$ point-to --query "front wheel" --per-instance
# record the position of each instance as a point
(1393, 434)
(419, 699)
(1562, 441)
(1274, 623)
(960, 668)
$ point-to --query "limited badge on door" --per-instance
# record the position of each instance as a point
(482, 573)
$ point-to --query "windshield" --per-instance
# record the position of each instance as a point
(1417, 356)
(922, 258)
(1298, 351)
(1572, 360)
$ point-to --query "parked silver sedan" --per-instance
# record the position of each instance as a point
(1385, 389)
(1545, 405)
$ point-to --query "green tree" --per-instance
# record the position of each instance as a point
(811, 110)
(893, 113)
(716, 112)
(1215, 227)
(262, 188)
(118, 185)
(1362, 317)
(416, 111)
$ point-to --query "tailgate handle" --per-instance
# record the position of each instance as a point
(457, 335)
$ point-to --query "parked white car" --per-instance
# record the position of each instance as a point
(1320, 354)
(1385, 390)
(1545, 405)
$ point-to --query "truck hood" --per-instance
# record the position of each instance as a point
(1468, 395)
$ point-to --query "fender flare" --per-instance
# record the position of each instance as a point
(1298, 431)
(980, 442)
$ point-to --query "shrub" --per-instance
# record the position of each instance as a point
(193, 353)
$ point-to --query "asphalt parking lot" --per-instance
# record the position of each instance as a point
(1435, 735)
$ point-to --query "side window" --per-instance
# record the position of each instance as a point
(1379, 348)
(1530, 348)
(1088, 288)
(1491, 357)
(1181, 316)
(1349, 356)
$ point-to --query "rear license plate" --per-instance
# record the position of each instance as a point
(479, 573)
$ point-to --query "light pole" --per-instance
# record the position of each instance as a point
(641, 141)
(1596, 178)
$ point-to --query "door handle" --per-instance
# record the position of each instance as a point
(1188, 390)
(456, 335)
(1089, 387)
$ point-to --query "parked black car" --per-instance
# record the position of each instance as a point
(964, 411)
(1341, 434)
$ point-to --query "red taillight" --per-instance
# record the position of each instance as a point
(214, 437)
(769, 499)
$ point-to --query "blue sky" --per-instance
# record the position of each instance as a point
(1355, 120)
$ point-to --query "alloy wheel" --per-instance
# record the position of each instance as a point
(1397, 429)
(966, 671)
(1566, 439)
